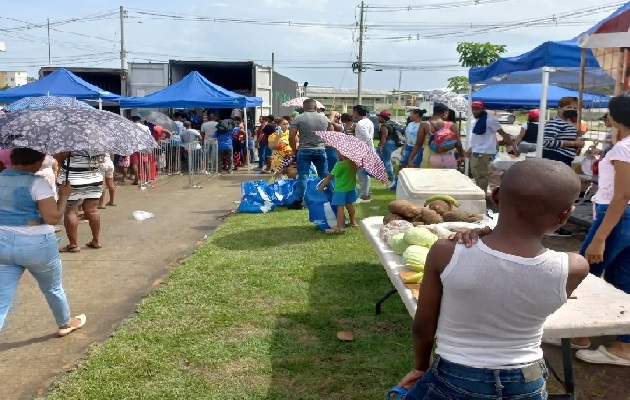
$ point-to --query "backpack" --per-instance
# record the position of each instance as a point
(225, 126)
(395, 132)
(443, 140)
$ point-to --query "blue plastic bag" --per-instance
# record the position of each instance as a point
(283, 192)
(255, 198)
(320, 211)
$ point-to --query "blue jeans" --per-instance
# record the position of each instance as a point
(263, 153)
(616, 265)
(404, 158)
(304, 159)
(386, 155)
(331, 157)
(39, 255)
(447, 380)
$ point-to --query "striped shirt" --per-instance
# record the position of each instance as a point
(85, 177)
(556, 132)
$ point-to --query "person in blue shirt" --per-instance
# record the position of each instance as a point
(223, 134)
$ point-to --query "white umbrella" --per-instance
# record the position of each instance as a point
(452, 100)
(299, 102)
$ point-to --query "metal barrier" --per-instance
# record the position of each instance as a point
(201, 162)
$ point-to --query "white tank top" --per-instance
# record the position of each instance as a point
(494, 306)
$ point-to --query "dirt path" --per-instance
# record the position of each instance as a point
(106, 284)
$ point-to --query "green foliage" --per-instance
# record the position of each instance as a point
(458, 84)
(473, 54)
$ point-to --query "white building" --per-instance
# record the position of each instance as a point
(13, 78)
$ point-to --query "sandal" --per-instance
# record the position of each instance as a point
(93, 245)
(397, 393)
(111, 204)
(68, 330)
(70, 249)
(101, 207)
(335, 231)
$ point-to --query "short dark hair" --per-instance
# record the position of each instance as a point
(619, 110)
(136, 118)
(360, 110)
(270, 118)
(309, 103)
(24, 156)
(439, 108)
(187, 124)
(269, 128)
(345, 117)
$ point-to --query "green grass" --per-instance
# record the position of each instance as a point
(253, 314)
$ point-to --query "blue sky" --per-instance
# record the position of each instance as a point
(318, 54)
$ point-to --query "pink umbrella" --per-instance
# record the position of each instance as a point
(359, 152)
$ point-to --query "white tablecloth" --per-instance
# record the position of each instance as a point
(598, 310)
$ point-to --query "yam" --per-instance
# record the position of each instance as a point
(404, 208)
(461, 216)
(440, 206)
(431, 217)
(417, 223)
(392, 217)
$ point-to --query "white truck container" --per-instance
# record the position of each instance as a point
(418, 184)
(146, 78)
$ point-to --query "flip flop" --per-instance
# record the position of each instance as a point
(558, 343)
(101, 207)
(335, 231)
(397, 393)
(70, 249)
(601, 356)
(91, 245)
(111, 205)
(66, 331)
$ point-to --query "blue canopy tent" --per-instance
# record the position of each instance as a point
(556, 62)
(528, 95)
(62, 83)
(194, 91)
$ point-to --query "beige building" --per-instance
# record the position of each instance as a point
(342, 99)
(13, 78)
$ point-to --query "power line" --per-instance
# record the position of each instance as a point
(436, 6)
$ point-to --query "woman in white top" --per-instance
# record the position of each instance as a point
(27, 238)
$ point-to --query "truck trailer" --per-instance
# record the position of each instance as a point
(247, 78)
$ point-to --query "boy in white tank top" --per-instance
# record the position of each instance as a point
(486, 303)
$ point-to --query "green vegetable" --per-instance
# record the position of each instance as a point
(398, 243)
(415, 257)
(420, 236)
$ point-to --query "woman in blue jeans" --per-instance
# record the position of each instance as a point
(28, 211)
(607, 244)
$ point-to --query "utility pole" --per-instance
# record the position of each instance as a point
(271, 95)
(123, 56)
(48, 25)
(360, 72)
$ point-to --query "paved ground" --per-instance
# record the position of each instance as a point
(106, 284)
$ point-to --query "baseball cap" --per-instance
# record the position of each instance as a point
(478, 104)
(384, 113)
(534, 114)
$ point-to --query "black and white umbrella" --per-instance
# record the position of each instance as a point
(54, 130)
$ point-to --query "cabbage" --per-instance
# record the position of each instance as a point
(420, 236)
(397, 243)
(415, 257)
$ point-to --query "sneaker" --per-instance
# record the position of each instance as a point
(561, 232)
(296, 205)
(364, 200)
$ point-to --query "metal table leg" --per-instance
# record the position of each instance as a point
(382, 299)
(567, 382)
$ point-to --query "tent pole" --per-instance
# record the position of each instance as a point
(581, 89)
(543, 111)
(468, 128)
(247, 156)
(100, 103)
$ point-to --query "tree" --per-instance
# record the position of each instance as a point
(5, 88)
(473, 54)
(458, 84)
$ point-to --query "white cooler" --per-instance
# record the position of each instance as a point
(418, 184)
